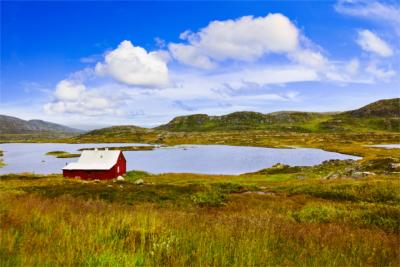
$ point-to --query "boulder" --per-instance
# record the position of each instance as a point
(361, 174)
(120, 179)
(139, 181)
(301, 177)
(395, 166)
(332, 175)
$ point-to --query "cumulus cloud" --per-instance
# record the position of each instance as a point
(133, 65)
(73, 97)
(370, 42)
(69, 90)
(245, 39)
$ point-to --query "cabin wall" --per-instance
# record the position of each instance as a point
(89, 174)
(99, 174)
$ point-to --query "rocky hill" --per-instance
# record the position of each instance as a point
(383, 115)
(382, 108)
(246, 120)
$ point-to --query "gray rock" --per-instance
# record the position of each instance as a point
(139, 181)
(395, 166)
(332, 175)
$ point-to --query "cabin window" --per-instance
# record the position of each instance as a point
(118, 169)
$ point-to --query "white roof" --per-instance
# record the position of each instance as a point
(95, 160)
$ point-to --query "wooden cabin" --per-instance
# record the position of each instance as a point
(97, 164)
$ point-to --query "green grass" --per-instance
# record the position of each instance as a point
(63, 154)
(73, 222)
(1, 159)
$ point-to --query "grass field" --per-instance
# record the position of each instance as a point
(298, 216)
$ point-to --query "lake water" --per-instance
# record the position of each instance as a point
(206, 159)
(387, 146)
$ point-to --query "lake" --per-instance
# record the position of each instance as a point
(204, 159)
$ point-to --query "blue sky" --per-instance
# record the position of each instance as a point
(93, 64)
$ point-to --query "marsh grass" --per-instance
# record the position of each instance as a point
(71, 231)
(63, 154)
(48, 220)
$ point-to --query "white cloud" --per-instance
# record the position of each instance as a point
(380, 73)
(244, 39)
(191, 56)
(69, 90)
(309, 58)
(73, 97)
(370, 42)
(132, 65)
(372, 10)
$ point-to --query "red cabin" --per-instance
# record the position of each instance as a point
(97, 164)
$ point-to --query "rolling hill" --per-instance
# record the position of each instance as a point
(245, 120)
(383, 115)
(13, 125)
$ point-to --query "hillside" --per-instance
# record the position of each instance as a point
(124, 133)
(245, 120)
(383, 115)
(13, 125)
(382, 108)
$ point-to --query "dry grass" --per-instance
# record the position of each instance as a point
(70, 231)
(51, 221)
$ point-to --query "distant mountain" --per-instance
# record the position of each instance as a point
(383, 115)
(12, 125)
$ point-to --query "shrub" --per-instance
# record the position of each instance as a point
(318, 213)
(133, 176)
(211, 197)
